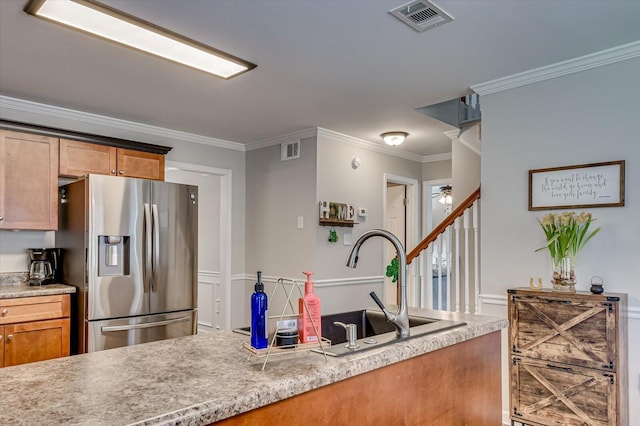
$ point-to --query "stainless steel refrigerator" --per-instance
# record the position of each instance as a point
(131, 249)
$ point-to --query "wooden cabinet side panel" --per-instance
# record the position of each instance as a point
(139, 164)
(28, 181)
(456, 385)
(36, 341)
(80, 158)
(2, 334)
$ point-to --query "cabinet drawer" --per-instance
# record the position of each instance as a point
(38, 308)
(548, 393)
(564, 329)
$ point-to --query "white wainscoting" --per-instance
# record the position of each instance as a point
(209, 302)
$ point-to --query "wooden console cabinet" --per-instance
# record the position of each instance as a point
(28, 181)
(34, 329)
(568, 358)
(80, 158)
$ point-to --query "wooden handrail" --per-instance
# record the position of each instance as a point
(443, 225)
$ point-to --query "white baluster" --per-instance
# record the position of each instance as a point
(448, 258)
(476, 260)
(429, 276)
(438, 248)
(457, 263)
(465, 216)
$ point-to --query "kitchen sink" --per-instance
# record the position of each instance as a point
(374, 330)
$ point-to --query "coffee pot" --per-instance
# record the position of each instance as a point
(44, 267)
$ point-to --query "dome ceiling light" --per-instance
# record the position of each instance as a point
(394, 138)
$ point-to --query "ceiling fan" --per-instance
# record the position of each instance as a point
(444, 196)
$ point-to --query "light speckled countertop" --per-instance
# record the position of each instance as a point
(14, 284)
(10, 291)
(194, 380)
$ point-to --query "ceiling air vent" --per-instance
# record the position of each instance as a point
(421, 15)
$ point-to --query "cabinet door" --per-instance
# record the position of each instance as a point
(36, 341)
(548, 393)
(566, 329)
(140, 164)
(80, 158)
(28, 181)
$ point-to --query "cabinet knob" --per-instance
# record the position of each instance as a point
(0, 336)
(9, 336)
(121, 172)
(5, 311)
(113, 171)
(1, 218)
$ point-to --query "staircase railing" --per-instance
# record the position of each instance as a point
(440, 252)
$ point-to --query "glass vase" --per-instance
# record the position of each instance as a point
(564, 276)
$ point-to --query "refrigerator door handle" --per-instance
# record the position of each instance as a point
(107, 328)
(147, 252)
(156, 247)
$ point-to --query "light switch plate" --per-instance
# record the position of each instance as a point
(347, 239)
(300, 222)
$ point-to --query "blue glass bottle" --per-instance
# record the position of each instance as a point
(259, 332)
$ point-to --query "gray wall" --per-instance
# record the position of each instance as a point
(435, 170)
(362, 187)
(278, 192)
(586, 117)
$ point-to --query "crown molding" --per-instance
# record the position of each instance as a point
(582, 63)
(277, 140)
(371, 146)
(50, 111)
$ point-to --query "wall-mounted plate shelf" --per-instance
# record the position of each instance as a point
(325, 222)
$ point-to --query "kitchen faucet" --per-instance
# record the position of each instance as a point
(400, 320)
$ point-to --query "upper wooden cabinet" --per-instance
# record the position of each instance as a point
(28, 181)
(80, 158)
(140, 164)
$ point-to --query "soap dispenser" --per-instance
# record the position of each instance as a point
(310, 314)
(259, 318)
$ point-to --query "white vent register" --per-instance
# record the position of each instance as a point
(421, 15)
(289, 150)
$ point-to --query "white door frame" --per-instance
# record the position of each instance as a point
(225, 228)
(413, 237)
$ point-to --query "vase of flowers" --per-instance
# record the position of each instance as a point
(567, 234)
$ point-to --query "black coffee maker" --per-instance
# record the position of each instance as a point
(45, 266)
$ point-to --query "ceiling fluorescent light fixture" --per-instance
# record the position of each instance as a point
(103, 21)
(394, 138)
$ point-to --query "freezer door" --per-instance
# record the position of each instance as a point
(116, 247)
(174, 211)
(110, 334)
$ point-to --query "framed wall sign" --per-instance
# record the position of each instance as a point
(585, 185)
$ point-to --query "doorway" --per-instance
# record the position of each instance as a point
(401, 218)
(214, 241)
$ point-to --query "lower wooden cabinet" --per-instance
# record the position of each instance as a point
(34, 329)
